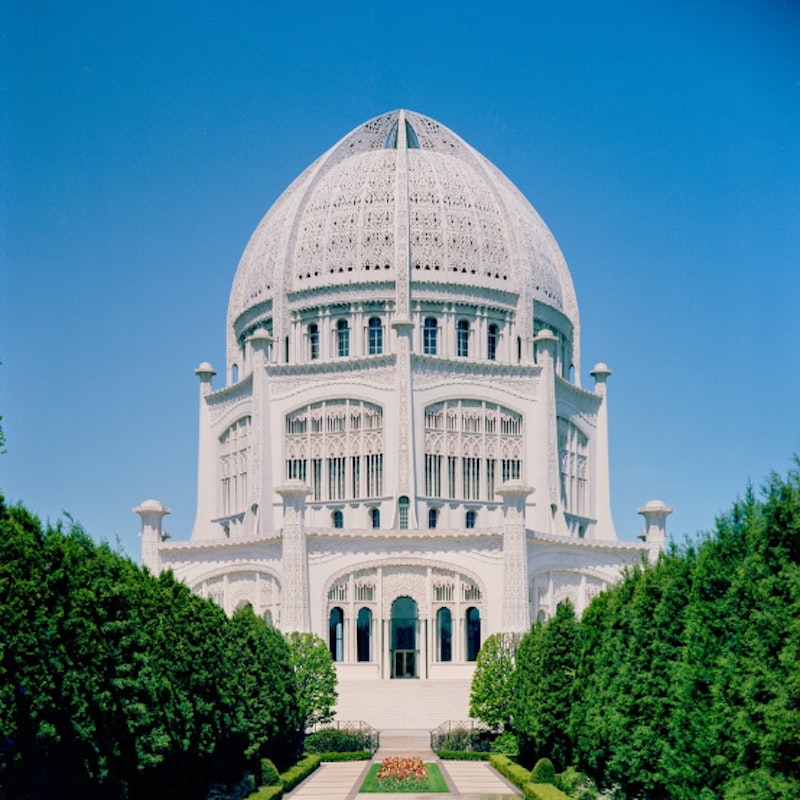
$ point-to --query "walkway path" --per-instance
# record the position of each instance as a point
(468, 780)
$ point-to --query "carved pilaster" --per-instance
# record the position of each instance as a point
(295, 601)
(516, 611)
(405, 422)
(259, 512)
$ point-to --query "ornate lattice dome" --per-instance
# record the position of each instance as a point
(401, 192)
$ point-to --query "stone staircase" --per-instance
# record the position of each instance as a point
(405, 742)
(396, 705)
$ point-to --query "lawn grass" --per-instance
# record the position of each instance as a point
(436, 783)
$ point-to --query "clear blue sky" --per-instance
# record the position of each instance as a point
(141, 143)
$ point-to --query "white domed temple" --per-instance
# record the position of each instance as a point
(402, 458)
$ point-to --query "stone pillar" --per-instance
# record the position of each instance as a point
(295, 602)
(152, 514)
(516, 609)
(405, 419)
(655, 513)
(546, 344)
(206, 460)
(602, 482)
(259, 512)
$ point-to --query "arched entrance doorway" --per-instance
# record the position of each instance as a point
(404, 655)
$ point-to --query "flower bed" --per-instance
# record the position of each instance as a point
(404, 774)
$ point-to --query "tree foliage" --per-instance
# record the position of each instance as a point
(492, 680)
(115, 683)
(683, 680)
(544, 688)
(315, 678)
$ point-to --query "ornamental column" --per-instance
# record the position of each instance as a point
(295, 602)
(516, 609)
(655, 513)
(259, 513)
(550, 516)
(206, 460)
(152, 514)
(602, 481)
(403, 327)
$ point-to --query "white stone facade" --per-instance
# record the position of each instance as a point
(402, 458)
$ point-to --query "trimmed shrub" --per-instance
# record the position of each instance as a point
(267, 793)
(463, 755)
(543, 771)
(299, 772)
(269, 773)
(333, 740)
(518, 775)
(356, 755)
(543, 791)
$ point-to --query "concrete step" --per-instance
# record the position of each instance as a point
(403, 704)
(405, 742)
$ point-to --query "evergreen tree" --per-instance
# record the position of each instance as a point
(546, 663)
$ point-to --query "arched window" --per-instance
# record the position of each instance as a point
(313, 341)
(433, 517)
(375, 336)
(363, 632)
(402, 509)
(430, 331)
(268, 618)
(473, 620)
(337, 518)
(375, 517)
(336, 634)
(235, 373)
(342, 338)
(472, 516)
(519, 349)
(491, 342)
(444, 634)
(462, 338)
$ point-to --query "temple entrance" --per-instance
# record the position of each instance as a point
(404, 653)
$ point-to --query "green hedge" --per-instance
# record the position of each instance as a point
(301, 770)
(267, 793)
(463, 755)
(518, 775)
(543, 791)
(334, 740)
(358, 755)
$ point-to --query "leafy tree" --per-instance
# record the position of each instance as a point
(315, 678)
(546, 664)
(491, 690)
(262, 670)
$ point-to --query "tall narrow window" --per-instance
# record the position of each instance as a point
(375, 336)
(430, 332)
(433, 517)
(337, 518)
(363, 632)
(336, 634)
(375, 517)
(444, 634)
(473, 620)
(471, 518)
(313, 341)
(342, 338)
(462, 338)
(491, 343)
(402, 512)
